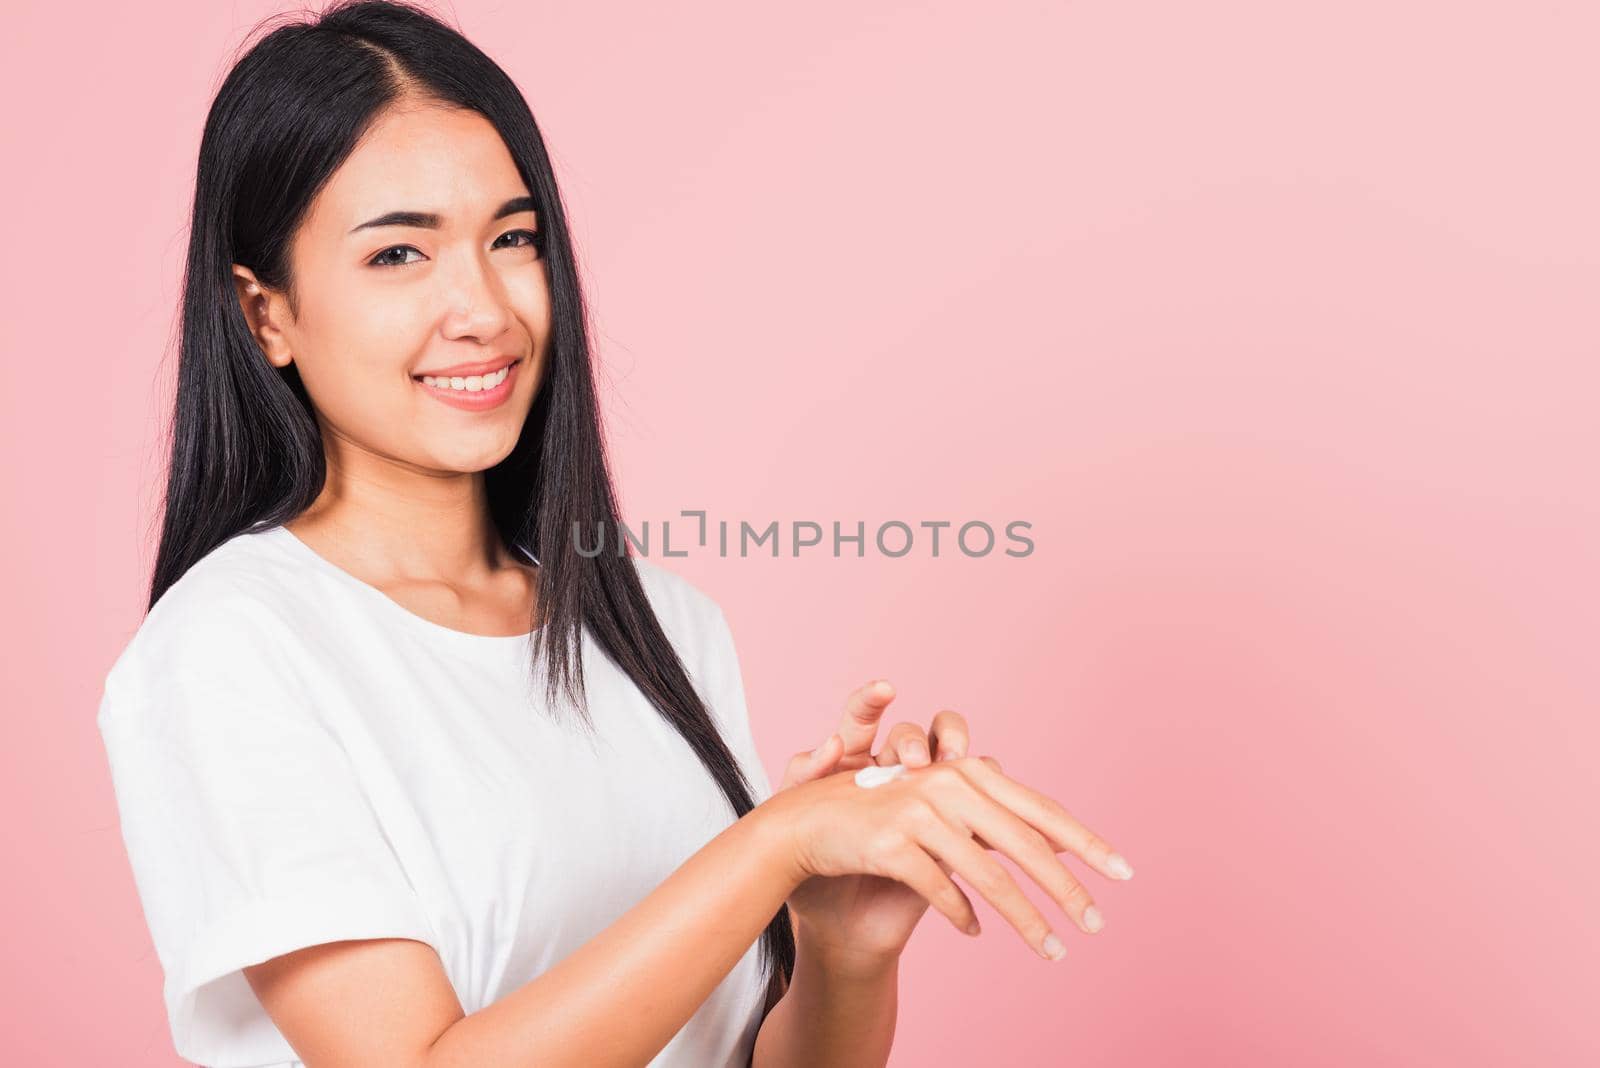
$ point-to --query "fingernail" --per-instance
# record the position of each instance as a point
(918, 750)
(1119, 866)
(1051, 947)
(973, 928)
(881, 686)
(818, 750)
(1092, 920)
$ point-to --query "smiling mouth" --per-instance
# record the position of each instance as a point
(468, 383)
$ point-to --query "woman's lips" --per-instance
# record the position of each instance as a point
(480, 401)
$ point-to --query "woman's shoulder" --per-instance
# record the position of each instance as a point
(231, 605)
(698, 629)
(673, 595)
(691, 617)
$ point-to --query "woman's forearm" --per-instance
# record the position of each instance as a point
(621, 996)
(839, 1010)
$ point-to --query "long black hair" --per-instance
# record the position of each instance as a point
(246, 451)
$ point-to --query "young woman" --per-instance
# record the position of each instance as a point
(405, 778)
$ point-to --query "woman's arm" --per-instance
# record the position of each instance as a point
(839, 1010)
(616, 1000)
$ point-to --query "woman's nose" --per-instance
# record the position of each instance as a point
(476, 303)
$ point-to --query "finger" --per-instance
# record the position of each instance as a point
(995, 764)
(904, 744)
(1061, 830)
(863, 710)
(930, 878)
(825, 757)
(804, 767)
(984, 874)
(972, 809)
(948, 735)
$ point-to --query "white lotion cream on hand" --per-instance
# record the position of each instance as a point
(874, 775)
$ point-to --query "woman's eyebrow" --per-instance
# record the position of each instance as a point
(427, 220)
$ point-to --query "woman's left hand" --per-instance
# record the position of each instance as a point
(867, 917)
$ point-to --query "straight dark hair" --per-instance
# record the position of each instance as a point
(246, 450)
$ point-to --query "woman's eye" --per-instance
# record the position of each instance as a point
(380, 261)
(385, 259)
(531, 235)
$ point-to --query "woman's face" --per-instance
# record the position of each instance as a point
(383, 300)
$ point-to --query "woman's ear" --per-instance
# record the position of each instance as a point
(263, 309)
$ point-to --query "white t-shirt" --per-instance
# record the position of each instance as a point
(299, 759)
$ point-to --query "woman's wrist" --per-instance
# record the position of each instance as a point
(842, 959)
(839, 1010)
(773, 824)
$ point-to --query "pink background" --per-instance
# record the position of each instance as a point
(1277, 321)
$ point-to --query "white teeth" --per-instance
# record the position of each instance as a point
(472, 384)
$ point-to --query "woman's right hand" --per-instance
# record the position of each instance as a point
(941, 819)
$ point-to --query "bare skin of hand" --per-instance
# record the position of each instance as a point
(868, 916)
(943, 819)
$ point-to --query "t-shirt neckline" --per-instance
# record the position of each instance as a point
(395, 608)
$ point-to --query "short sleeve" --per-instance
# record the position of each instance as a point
(245, 823)
(725, 688)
